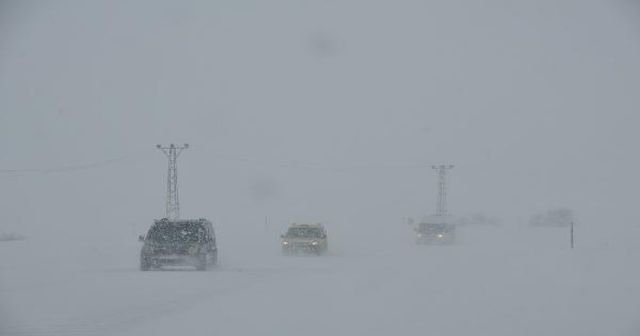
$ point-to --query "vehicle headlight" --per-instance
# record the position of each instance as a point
(285, 243)
(440, 235)
(419, 235)
(314, 243)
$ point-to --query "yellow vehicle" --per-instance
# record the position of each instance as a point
(305, 238)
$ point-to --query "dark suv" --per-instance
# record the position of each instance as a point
(180, 242)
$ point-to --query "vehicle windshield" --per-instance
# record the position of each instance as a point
(175, 233)
(300, 232)
(427, 227)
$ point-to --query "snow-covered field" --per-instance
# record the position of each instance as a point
(496, 281)
(335, 110)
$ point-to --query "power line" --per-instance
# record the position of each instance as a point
(317, 166)
(338, 166)
(67, 168)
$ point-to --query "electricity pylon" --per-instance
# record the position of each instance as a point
(173, 203)
(441, 210)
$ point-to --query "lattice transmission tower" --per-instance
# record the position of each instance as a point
(173, 202)
(441, 210)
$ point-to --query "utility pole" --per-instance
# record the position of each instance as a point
(173, 203)
(572, 239)
(441, 210)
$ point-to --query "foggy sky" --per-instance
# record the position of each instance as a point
(319, 110)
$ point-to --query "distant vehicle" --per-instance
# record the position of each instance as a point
(435, 233)
(305, 238)
(180, 243)
(558, 217)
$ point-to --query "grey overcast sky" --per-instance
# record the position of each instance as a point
(327, 110)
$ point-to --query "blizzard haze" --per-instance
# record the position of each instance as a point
(320, 111)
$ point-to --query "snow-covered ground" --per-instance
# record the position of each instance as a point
(496, 281)
(334, 109)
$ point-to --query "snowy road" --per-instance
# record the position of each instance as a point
(361, 289)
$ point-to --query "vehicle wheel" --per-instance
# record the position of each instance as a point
(202, 263)
(145, 265)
